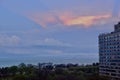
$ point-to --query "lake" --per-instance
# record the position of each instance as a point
(56, 59)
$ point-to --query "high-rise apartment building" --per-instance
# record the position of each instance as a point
(109, 53)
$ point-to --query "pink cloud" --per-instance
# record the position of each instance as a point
(69, 19)
(85, 21)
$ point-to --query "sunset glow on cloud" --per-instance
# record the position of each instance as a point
(84, 20)
(69, 19)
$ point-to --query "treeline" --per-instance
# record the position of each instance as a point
(48, 71)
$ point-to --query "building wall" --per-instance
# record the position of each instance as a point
(109, 54)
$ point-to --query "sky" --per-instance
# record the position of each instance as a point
(55, 27)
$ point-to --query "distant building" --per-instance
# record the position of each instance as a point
(44, 65)
(109, 53)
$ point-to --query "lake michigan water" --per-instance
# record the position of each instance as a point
(59, 59)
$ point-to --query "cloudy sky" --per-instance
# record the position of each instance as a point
(55, 27)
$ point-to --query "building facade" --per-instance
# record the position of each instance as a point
(109, 53)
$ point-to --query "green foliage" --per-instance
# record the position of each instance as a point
(58, 72)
